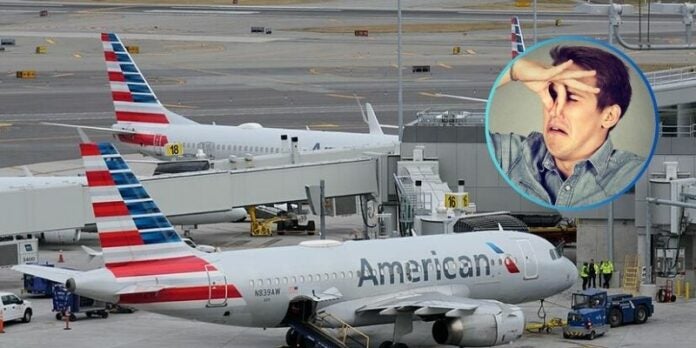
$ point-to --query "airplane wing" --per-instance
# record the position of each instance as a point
(59, 275)
(102, 129)
(422, 304)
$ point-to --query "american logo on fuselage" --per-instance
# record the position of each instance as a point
(508, 260)
(414, 271)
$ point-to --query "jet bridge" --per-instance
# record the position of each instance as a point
(26, 210)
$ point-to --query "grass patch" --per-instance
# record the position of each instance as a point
(210, 2)
(419, 27)
(520, 5)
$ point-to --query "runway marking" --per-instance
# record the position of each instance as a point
(345, 96)
(63, 75)
(38, 138)
(51, 41)
(423, 78)
(428, 94)
(324, 125)
(444, 65)
(5, 125)
(314, 71)
(101, 10)
(270, 242)
(77, 55)
(180, 106)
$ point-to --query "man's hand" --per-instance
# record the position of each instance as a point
(539, 78)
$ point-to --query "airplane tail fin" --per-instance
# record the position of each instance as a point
(131, 227)
(372, 122)
(516, 37)
(134, 100)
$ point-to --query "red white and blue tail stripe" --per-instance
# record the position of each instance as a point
(516, 37)
(131, 226)
(140, 247)
(134, 100)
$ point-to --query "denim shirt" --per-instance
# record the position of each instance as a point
(529, 165)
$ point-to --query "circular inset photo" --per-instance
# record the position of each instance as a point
(572, 123)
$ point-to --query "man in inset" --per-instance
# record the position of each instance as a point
(572, 162)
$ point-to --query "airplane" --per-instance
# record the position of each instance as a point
(142, 121)
(465, 284)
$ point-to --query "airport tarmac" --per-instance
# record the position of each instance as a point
(203, 63)
(672, 323)
(302, 75)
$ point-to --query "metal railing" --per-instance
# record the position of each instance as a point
(344, 329)
(663, 77)
(672, 131)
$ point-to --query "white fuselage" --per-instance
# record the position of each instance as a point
(364, 271)
(218, 141)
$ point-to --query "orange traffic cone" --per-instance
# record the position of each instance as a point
(60, 257)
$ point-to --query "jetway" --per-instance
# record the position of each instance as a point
(39, 209)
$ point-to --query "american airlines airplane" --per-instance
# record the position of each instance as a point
(142, 121)
(465, 284)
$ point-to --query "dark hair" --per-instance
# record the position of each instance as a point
(612, 74)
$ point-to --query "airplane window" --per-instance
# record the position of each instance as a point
(357, 274)
(268, 281)
(285, 280)
(259, 283)
(293, 279)
(251, 283)
(326, 276)
(309, 278)
(276, 281)
(334, 276)
(301, 279)
(343, 275)
(318, 277)
(350, 274)
(500, 262)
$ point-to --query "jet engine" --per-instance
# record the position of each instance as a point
(99, 284)
(482, 328)
(69, 236)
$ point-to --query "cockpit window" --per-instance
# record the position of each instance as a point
(553, 254)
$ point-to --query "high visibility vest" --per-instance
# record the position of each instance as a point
(583, 272)
(596, 268)
(607, 268)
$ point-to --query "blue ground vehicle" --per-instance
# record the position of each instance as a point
(593, 312)
(68, 304)
(38, 286)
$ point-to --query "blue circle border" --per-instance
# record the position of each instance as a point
(626, 59)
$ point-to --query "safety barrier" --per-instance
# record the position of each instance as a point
(420, 68)
(26, 74)
(133, 49)
(361, 32)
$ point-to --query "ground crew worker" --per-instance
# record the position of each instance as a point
(607, 270)
(593, 270)
(584, 275)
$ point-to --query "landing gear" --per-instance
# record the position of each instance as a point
(293, 339)
(390, 344)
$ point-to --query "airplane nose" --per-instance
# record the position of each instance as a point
(570, 272)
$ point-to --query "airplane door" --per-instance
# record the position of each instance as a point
(157, 142)
(217, 287)
(531, 268)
